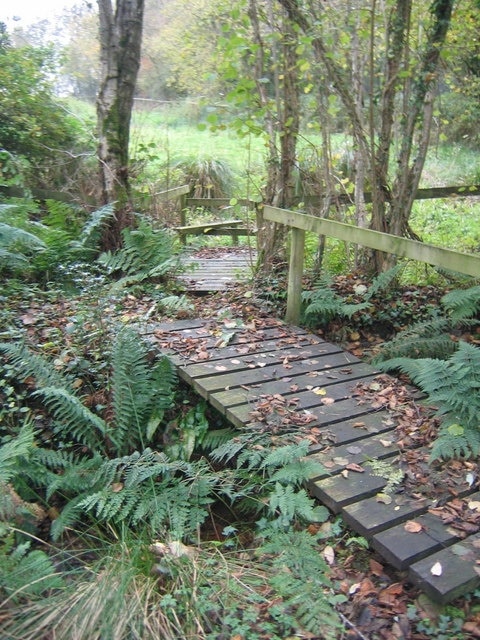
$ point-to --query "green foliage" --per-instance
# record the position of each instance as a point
(147, 253)
(148, 489)
(272, 478)
(300, 577)
(142, 391)
(207, 177)
(323, 304)
(453, 386)
(18, 247)
(34, 126)
(462, 303)
(25, 574)
(44, 250)
(435, 338)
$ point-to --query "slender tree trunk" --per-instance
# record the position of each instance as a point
(404, 83)
(282, 125)
(120, 48)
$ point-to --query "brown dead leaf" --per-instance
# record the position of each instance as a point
(355, 467)
(376, 568)
(413, 527)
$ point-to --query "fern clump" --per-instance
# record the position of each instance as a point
(146, 253)
(435, 338)
(271, 480)
(453, 386)
(323, 304)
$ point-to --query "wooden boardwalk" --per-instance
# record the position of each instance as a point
(217, 272)
(262, 372)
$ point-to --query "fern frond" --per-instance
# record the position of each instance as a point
(74, 420)
(419, 341)
(462, 303)
(92, 231)
(383, 280)
(146, 253)
(142, 391)
(21, 446)
(453, 386)
(456, 443)
(31, 365)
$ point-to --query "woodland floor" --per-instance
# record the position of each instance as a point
(381, 603)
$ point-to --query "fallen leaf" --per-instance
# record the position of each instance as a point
(328, 400)
(376, 568)
(474, 505)
(329, 555)
(355, 467)
(413, 527)
(220, 367)
(341, 461)
(354, 449)
(386, 443)
(384, 498)
(344, 473)
(437, 569)
(319, 392)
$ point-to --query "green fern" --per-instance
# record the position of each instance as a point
(18, 247)
(91, 233)
(300, 576)
(26, 574)
(462, 303)
(10, 452)
(272, 478)
(147, 253)
(323, 304)
(142, 391)
(433, 338)
(147, 488)
(453, 386)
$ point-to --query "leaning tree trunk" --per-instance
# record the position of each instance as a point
(120, 48)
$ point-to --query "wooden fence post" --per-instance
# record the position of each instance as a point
(295, 275)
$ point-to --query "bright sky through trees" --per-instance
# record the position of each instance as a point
(25, 12)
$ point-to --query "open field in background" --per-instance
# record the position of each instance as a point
(166, 134)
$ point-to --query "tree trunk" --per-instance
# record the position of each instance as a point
(282, 124)
(120, 48)
(403, 82)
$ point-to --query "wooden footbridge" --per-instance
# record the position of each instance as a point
(268, 374)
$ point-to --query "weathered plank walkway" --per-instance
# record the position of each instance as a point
(254, 372)
(219, 271)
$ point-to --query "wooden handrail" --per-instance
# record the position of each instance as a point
(465, 263)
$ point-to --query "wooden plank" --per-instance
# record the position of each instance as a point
(284, 357)
(201, 227)
(460, 570)
(171, 194)
(246, 393)
(371, 516)
(220, 203)
(221, 381)
(321, 415)
(336, 458)
(429, 193)
(465, 263)
(336, 492)
(401, 548)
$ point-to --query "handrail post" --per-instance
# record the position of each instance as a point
(295, 275)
